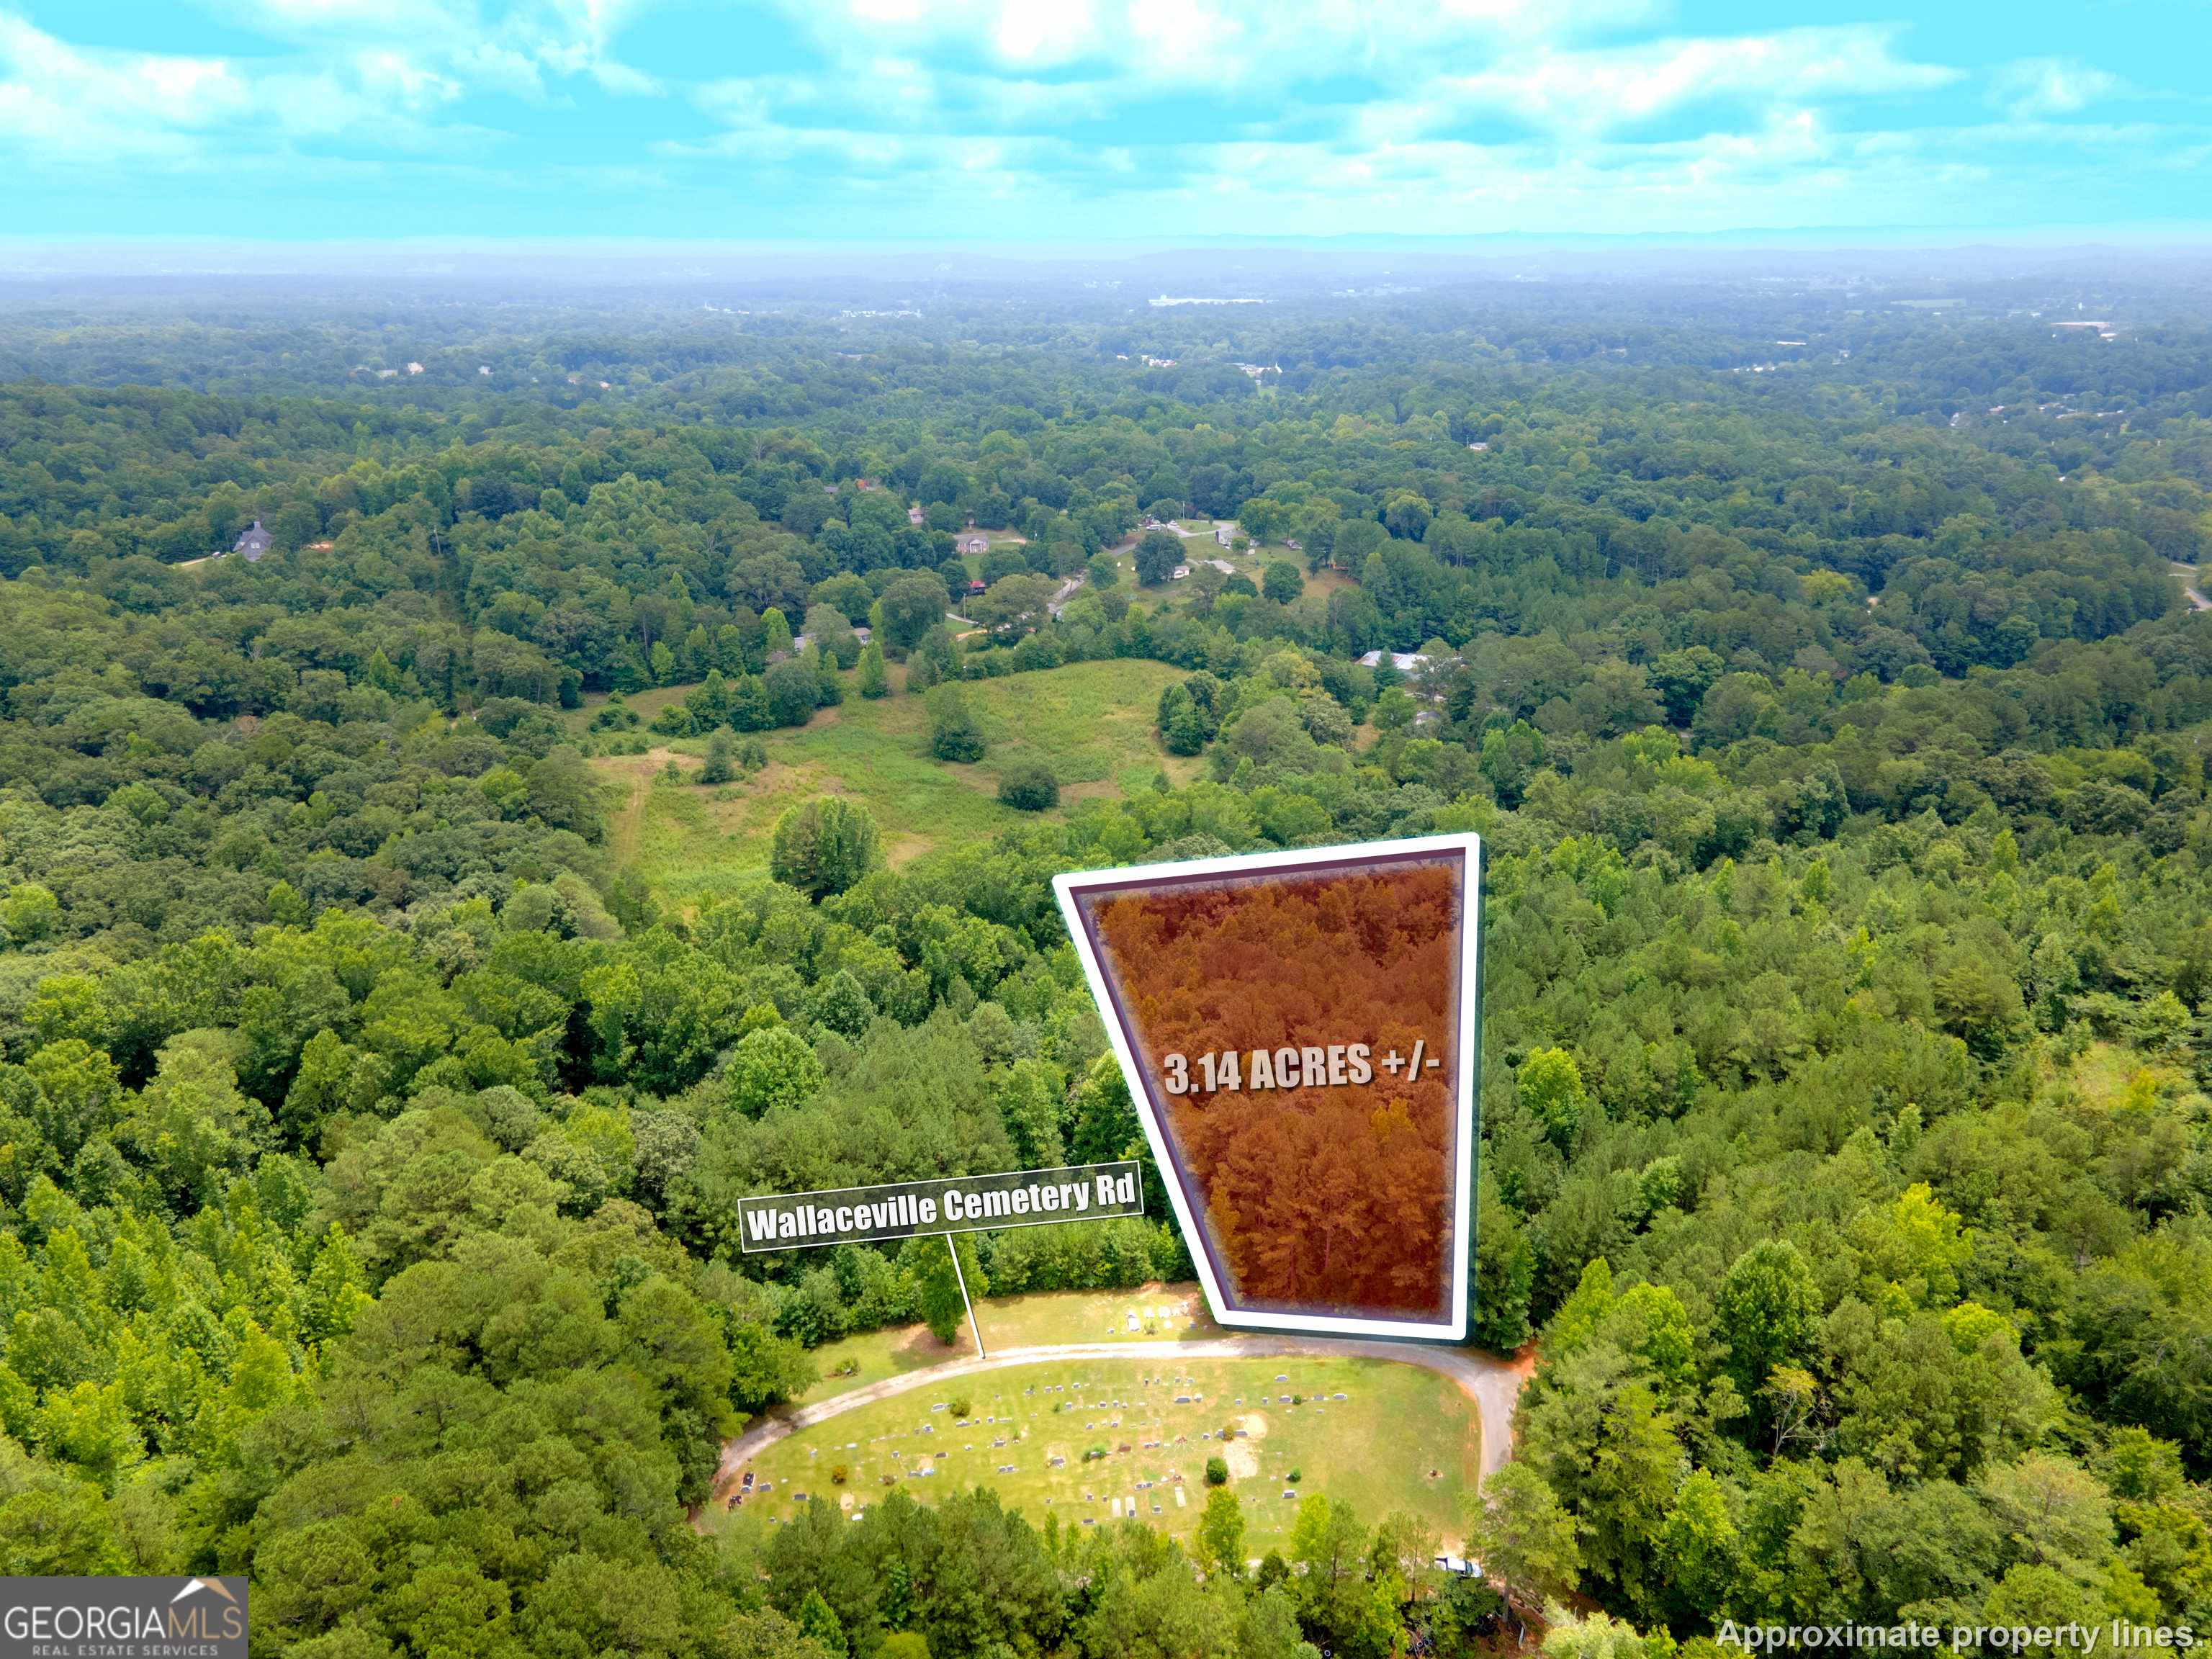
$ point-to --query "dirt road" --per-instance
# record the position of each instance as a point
(1493, 1384)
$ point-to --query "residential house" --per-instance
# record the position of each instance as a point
(1404, 661)
(254, 544)
(1225, 535)
(915, 515)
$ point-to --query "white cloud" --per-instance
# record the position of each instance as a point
(1222, 43)
(67, 105)
(383, 71)
(1320, 116)
(2034, 87)
(1596, 92)
(72, 104)
(1326, 117)
(517, 45)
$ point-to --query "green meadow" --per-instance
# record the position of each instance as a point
(1092, 722)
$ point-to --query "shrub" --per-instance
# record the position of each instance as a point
(963, 1407)
(953, 733)
(1029, 786)
(838, 1473)
(1217, 1472)
(719, 767)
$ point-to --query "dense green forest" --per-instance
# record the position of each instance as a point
(370, 1134)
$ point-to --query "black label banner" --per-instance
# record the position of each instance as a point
(957, 1204)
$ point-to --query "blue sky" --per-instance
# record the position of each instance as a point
(1020, 122)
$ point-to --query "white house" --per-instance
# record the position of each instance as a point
(1224, 534)
(1404, 661)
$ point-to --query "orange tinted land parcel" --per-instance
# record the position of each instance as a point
(1297, 1033)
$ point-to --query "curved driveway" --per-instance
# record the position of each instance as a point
(1492, 1383)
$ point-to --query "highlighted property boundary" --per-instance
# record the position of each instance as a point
(1376, 856)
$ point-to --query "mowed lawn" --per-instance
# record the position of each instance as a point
(1373, 1433)
(1252, 562)
(1149, 1315)
(1092, 722)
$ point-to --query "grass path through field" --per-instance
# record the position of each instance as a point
(627, 827)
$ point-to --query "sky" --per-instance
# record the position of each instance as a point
(1013, 121)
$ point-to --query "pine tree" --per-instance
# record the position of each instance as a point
(820, 1624)
(875, 679)
(779, 632)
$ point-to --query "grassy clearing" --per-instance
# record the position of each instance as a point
(1252, 562)
(1092, 722)
(1146, 1315)
(1400, 1438)
(2104, 1075)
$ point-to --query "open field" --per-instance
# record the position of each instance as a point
(1376, 1433)
(1092, 722)
(1020, 1321)
(1252, 561)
